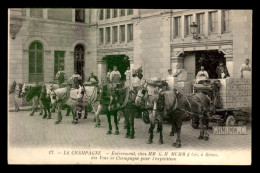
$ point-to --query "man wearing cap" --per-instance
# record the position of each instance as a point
(115, 75)
(222, 71)
(245, 70)
(93, 79)
(75, 77)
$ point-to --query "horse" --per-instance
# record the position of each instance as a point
(109, 99)
(16, 90)
(46, 102)
(130, 110)
(32, 92)
(176, 106)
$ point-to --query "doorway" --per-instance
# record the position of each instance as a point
(210, 60)
(121, 61)
(79, 60)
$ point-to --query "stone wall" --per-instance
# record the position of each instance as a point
(242, 38)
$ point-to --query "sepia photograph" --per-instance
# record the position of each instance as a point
(109, 86)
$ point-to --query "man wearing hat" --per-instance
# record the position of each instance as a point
(222, 71)
(76, 78)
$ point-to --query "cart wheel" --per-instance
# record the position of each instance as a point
(230, 120)
(194, 124)
(145, 117)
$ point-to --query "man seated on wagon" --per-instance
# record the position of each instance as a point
(93, 80)
(76, 79)
(202, 75)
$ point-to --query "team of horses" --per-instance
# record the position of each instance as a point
(155, 98)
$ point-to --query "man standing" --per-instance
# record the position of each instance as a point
(76, 78)
(93, 79)
(61, 75)
(128, 77)
(245, 70)
(222, 71)
(115, 75)
(170, 80)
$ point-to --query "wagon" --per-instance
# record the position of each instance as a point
(223, 116)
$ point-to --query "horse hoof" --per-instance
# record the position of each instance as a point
(127, 136)
(109, 132)
(40, 113)
(160, 141)
(97, 125)
(149, 141)
(31, 114)
(117, 132)
(178, 146)
(132, 136)
(206, 138)
(174, 144)
(200, 137)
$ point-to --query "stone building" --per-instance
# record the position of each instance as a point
(42, 40)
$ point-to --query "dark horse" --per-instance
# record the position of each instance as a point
(109, 99)
(176, 106)
(46, 102)
(33, 92)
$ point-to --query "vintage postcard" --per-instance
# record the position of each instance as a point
(129, 86)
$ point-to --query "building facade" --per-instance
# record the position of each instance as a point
(43, 40)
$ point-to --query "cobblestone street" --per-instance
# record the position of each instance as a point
(31, 131)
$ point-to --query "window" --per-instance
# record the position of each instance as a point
(108, 35)
(101, 14)
(130, 11)
(122, 12)
(129, 32)
(36, 12)
(177, 26)
(201, 23)
(187, 24)
(226, 21)
(122, 33)
(115, 34)
(108, 14)
(101, 35)
(115, 13)
(80, 15)
(79, 60)
(213, 22)
(36, 62)
(58, 61)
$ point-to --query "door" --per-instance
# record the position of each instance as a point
(79, 60)
(36, 62)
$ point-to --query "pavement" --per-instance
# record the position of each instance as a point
(26, 131)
